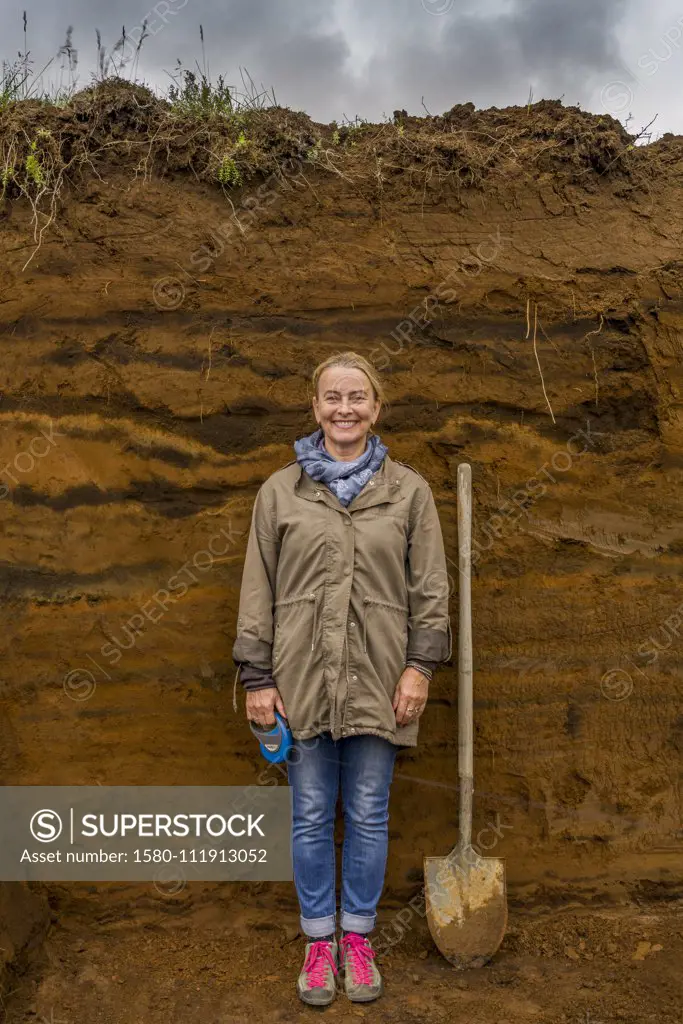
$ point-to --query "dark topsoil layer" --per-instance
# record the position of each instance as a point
(116, 121)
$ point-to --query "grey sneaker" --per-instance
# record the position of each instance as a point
(317, 984)
(362, 980)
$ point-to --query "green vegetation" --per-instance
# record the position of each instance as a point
(228, 173)
(13, 82)
(313, 153)
(197, 97)
(6, 175)
(34, 171)
(192, 92)
(229, 151)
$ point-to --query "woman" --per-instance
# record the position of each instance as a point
(343, 616)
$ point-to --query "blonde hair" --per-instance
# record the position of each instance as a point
(351, 361)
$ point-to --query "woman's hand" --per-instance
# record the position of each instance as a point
(410, 697)
(261, 705)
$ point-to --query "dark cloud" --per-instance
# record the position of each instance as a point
(334, 57)
(494, 57)
(575, 36)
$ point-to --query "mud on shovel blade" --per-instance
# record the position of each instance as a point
(465, 893)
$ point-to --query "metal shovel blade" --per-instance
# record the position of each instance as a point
(466, 905)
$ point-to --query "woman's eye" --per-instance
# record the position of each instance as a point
(353, 400)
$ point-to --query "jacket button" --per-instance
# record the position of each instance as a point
(354, 678)
(352, 624)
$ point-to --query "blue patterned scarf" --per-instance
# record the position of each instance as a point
(345, 479)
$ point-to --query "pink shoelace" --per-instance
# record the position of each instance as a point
(318, 959)
(360, 954)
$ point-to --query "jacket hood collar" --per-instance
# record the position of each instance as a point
(385, 486)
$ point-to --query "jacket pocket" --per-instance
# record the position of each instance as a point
(377, 511)
(286, 622)
(372, 602)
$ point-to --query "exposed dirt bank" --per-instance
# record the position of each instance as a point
(24, 920)
(155, 357)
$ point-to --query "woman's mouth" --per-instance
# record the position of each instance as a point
(344, 424)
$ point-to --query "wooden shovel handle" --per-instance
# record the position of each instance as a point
(465, 701)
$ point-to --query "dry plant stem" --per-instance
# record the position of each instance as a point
(380, 181)
(38, 232)
(203, 379)
(538, 362)
(595, 369)
(208, 369)
(329, 165)
(234, 212)
(639, 136)
(549, 339)
(311, 187)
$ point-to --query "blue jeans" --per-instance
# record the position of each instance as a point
(363, 766)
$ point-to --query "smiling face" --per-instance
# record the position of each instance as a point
(346, 409)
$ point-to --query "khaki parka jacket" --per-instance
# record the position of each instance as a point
(334, 600)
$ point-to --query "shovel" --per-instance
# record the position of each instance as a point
(465, 893)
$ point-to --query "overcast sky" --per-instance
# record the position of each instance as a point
(342, 58)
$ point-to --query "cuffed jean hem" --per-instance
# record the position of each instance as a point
(355, 923)
(316, 927)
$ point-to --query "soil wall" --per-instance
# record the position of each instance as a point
(154, 371)
(24, 918)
